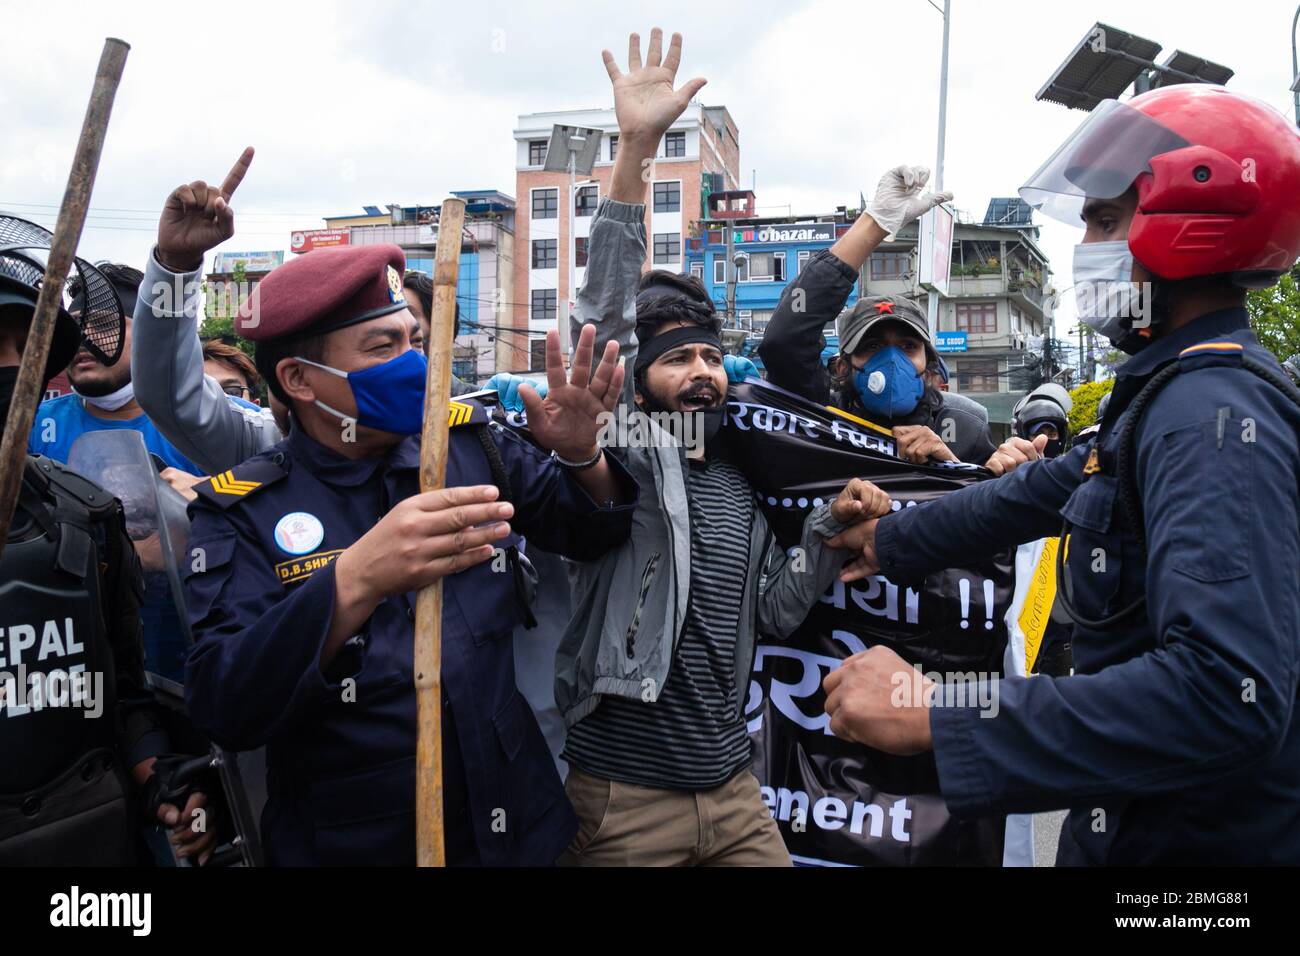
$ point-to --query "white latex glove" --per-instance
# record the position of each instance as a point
(898, 198)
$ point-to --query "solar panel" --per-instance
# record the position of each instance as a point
(1204, 70)
(1010, 211)
(1102, 66)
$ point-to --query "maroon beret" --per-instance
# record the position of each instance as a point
(323, 290)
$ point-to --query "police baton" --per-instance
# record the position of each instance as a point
(429, 839)
(67, 233)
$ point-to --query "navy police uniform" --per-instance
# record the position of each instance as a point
(1177, 740)
(341, 743)
(260, 593)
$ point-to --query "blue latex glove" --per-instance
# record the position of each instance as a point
(739, 368)
(507, 387)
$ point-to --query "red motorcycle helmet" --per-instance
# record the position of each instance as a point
(1217, 177)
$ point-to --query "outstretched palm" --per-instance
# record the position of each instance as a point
(645, 102)
(197, 217)
(568, 421)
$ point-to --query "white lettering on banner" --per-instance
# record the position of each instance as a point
(831, 813)
(871, 589)
(785, 695)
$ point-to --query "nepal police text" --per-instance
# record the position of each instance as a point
(53, 680)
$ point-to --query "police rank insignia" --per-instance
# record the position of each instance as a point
(394, 284)
(227, 484)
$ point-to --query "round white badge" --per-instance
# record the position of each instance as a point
(299, 532)
(876, 382)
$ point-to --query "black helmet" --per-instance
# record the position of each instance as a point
(1047, 404)
(88, 296)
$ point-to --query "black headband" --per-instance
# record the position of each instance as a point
(674, 338)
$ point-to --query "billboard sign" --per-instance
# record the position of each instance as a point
(252, 261)
(950, 341)
(306, 240)
(787, 232)
(934, 257)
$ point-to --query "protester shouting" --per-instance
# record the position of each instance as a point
(651, 675)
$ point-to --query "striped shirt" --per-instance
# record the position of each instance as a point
(693, 737)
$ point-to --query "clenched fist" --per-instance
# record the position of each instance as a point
(860, 499)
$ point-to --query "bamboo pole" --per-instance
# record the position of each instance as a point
(63, 247)
(429, 837)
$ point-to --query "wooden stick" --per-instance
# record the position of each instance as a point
(63, 247)
(430, 843)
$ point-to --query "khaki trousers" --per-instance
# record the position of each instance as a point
(622, 824)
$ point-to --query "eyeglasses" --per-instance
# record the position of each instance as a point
(239, 391)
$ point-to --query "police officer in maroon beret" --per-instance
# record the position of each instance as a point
(307, 559)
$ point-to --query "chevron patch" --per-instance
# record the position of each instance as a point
(227, 484)
(458, 413)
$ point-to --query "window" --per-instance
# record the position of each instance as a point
(537, 355)
(536, 152)
(675, 144)
(978, 375)
(580, 252)
(719, 270)
(545, 253)
(1017, 320)
(889, 265)
(613, 147)
(546, 203)
(585, 199)
(802, 260)
(543, 309)
(766, 267)
(977, 316)
(668, 197)
(668, 247)
(742, 269)
(697, 270)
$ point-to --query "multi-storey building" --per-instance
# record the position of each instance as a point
(991, 325)
(484, 284)
(700, 154)
(766, 253)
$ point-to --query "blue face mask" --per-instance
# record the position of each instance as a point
(889, 385)
(389, 396)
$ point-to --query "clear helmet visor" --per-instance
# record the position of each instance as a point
(1099, 160)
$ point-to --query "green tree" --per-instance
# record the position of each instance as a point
(219, 320)
(1275, 315)
(1085, 398)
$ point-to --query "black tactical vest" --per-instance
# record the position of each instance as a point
(57, 686)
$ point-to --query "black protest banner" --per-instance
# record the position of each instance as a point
(837, 802)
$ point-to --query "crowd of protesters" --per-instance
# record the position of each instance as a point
(642, 577)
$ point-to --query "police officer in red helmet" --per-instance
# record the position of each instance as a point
(1177, 738)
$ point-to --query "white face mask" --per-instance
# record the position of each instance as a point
(112, 401)
(1104, 290)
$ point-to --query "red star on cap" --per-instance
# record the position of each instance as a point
(883, 307)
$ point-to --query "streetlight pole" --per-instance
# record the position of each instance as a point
(943, 101)
(1295, 65)
(932, 298)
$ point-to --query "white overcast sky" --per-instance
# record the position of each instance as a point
(350, 104)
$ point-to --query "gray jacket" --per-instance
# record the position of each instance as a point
(630, 605)
(205, 424)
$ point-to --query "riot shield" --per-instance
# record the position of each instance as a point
(118, 461)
